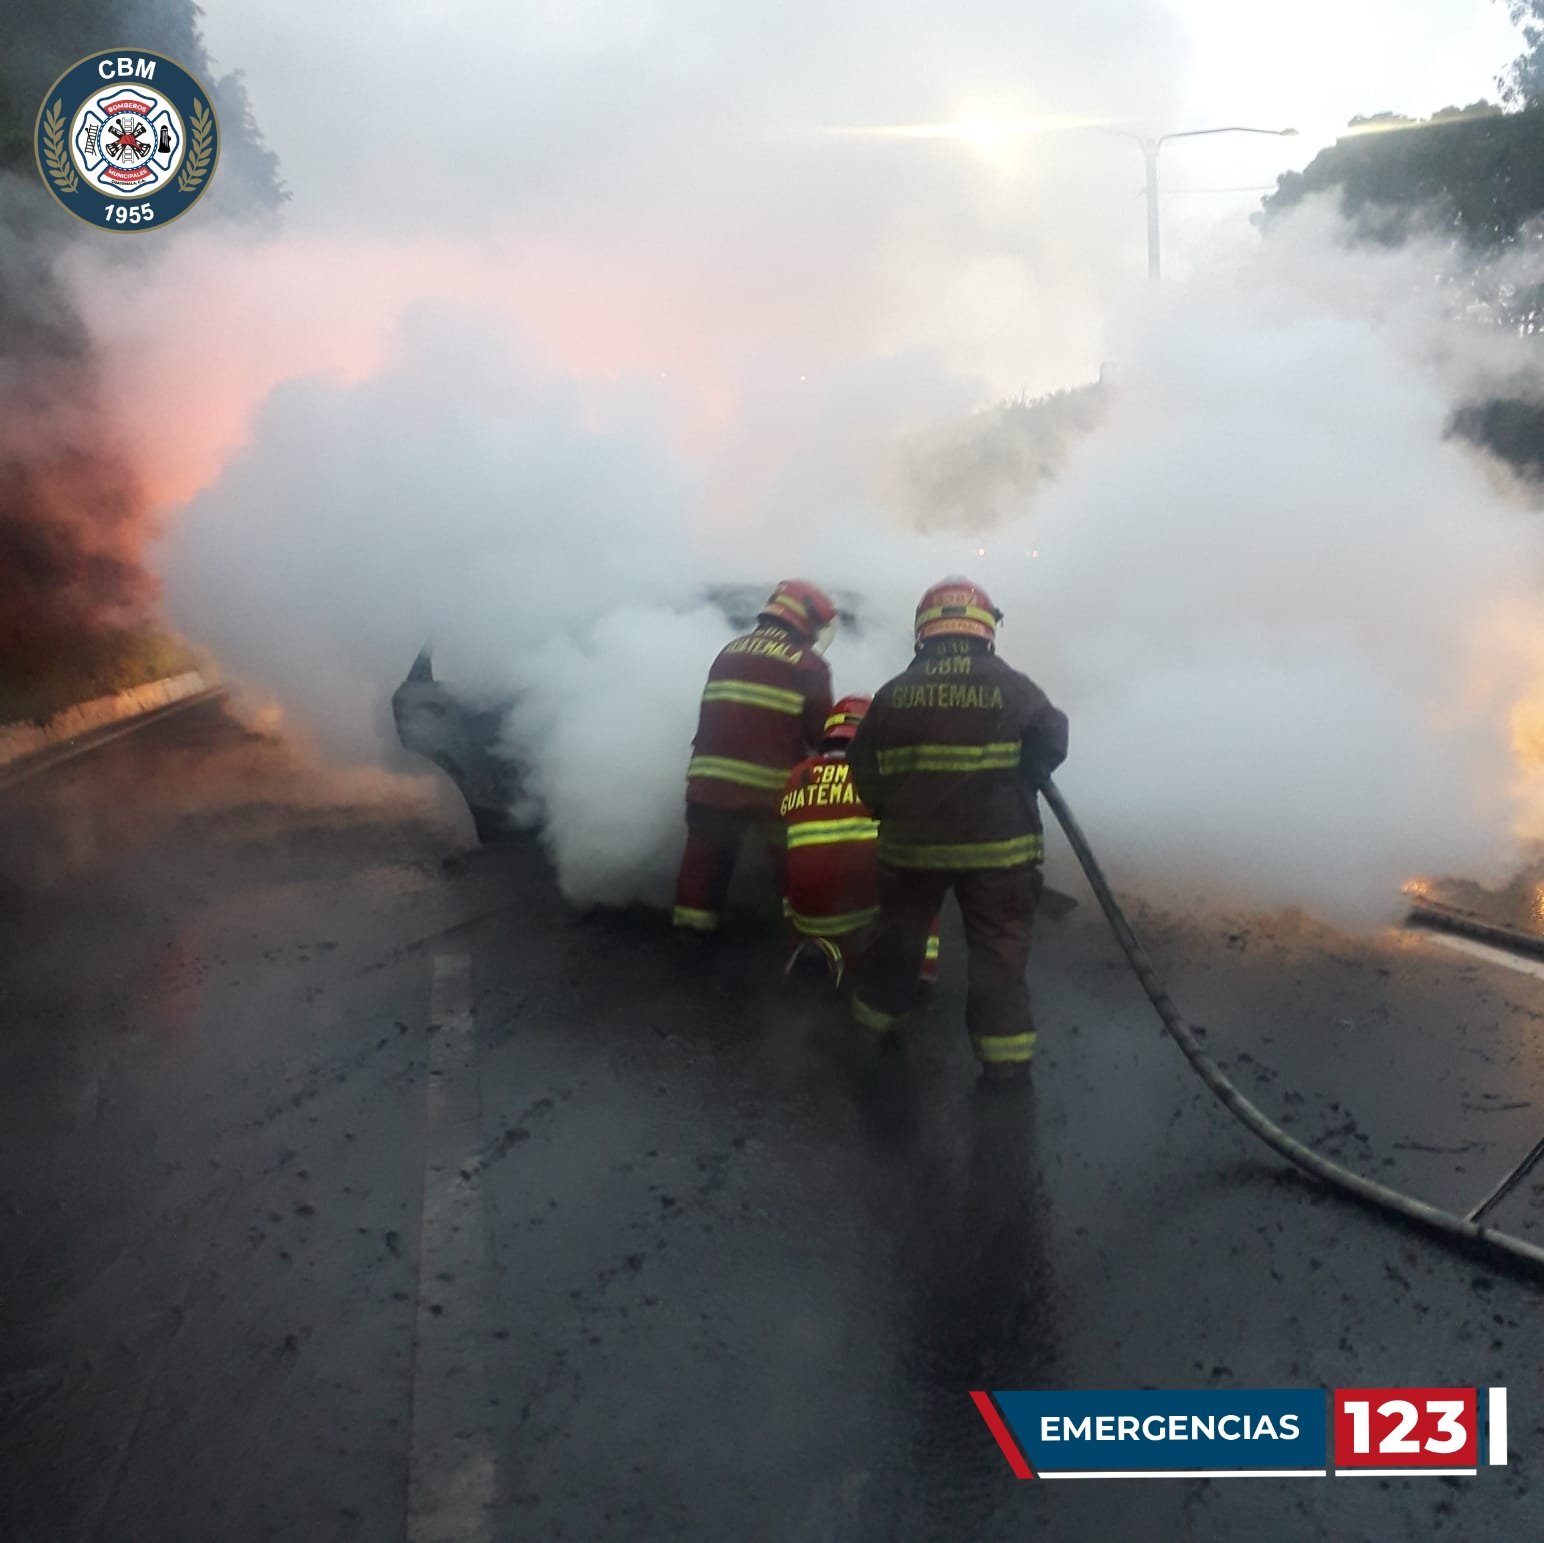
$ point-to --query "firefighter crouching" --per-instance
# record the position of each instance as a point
(949, 758)
(830, 878)
(763, 709)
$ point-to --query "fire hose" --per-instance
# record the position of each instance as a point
(1469, 1229)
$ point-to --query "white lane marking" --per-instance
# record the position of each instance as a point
(452, 1475)
(1495, 1427)
(1486, 951)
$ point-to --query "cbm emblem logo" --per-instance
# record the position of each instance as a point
(127, 140)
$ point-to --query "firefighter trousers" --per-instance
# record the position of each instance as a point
(713, 840)
(997, 906)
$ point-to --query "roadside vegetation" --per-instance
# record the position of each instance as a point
(77, 605)
(34, 689)
(1472, 178)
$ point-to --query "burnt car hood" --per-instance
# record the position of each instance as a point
(461, 733)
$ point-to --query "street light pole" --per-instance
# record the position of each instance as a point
(976, 132)
(1150, 148)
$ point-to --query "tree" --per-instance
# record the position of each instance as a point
(1474, 172)
(1522, 83)
(972, 474)
(71, 516)
(42, 41)
(1474, 175)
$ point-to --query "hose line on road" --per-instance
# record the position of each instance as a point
(1434, 1218)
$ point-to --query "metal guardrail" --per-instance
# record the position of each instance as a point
(1434, 916)
(22, 741)
(51, 754)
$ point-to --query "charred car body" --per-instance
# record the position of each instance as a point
(462, 734)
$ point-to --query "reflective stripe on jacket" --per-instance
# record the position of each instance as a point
(830, 879)
(949, 757)
(764, 705)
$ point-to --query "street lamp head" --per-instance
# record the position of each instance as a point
(1288, 133)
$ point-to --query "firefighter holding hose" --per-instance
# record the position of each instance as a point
(949, 758)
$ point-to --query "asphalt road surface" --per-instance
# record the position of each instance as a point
(351, 1193)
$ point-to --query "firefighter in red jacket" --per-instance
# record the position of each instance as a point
(830, 880)
(949, 758)
(764, 708)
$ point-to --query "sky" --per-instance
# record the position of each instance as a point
(1313, 66)
(689, 130)
(1326, 60)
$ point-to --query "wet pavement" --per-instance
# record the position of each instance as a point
(351, 1193)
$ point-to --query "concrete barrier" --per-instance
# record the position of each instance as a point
(20, 741)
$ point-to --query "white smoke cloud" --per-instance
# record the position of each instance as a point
(463, 493)
(1290, 620)
(570, 323)
(1294, 617)
(603, 720)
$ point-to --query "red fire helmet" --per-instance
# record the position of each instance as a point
(959, 608)
(801, 605)
(846, 715)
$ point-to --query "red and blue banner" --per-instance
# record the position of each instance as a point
(1247, 1433)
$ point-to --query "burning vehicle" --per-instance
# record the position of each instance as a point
(461, 734)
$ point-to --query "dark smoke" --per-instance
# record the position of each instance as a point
(73, 518)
